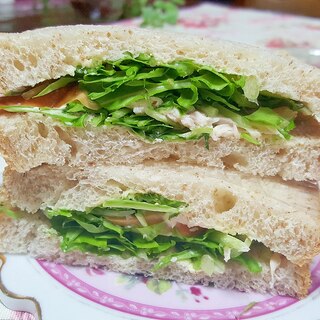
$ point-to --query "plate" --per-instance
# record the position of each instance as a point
(66, 292)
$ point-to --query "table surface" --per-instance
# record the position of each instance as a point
(299, 35)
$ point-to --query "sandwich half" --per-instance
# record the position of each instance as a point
(169, 221)
(114, 95)
(161, 154)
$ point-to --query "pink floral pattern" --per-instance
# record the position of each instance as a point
(278, 43)
(81, 283)
(14, 315)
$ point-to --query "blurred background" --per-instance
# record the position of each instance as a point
(291, 25)
(19, 15)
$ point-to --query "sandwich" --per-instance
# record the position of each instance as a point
(169, 221)
(160, 154)
(113, 95)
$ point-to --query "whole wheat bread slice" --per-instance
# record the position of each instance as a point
(285, 217)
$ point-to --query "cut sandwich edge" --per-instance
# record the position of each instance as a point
(37, 240)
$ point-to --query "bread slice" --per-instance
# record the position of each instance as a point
(31, 234)
(283, 216)
(34, 56)
(30, 140)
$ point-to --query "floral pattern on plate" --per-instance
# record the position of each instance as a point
(167, 300)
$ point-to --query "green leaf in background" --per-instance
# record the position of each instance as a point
(128, 281)
(160, 13)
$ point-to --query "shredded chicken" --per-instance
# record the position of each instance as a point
(139, 110)
(222, 126)
(197, 119)
(225, 130)
(138, 107)
(174, 115)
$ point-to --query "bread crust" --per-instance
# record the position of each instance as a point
(34, 56)
(284, 217)
(30, 235)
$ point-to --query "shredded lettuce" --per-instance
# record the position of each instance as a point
(95, 231)
(117, 87)
(60, 83)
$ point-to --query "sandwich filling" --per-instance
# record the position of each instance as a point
(175, 101)
(138, 225)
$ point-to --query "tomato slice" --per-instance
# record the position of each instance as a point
(185, 231)
(129, 221)
(54, 99)
(151, 218)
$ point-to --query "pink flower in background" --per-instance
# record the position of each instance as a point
(204, 21)
(312, 27)
(278, 43)
(278, 17)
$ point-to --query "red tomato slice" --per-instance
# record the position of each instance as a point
(185, 231)
(151, 218)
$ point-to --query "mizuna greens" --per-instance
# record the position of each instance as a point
(121, 227)
(171, 101)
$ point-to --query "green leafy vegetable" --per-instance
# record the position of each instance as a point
(211, 264)
(158, 286)
(151, 99)
(94, 231)
(131, 204)
(154, 13)
(251, 264)
(178, 256)
(155, 199)
(60, 83)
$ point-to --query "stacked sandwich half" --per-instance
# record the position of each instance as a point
(161, 154)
